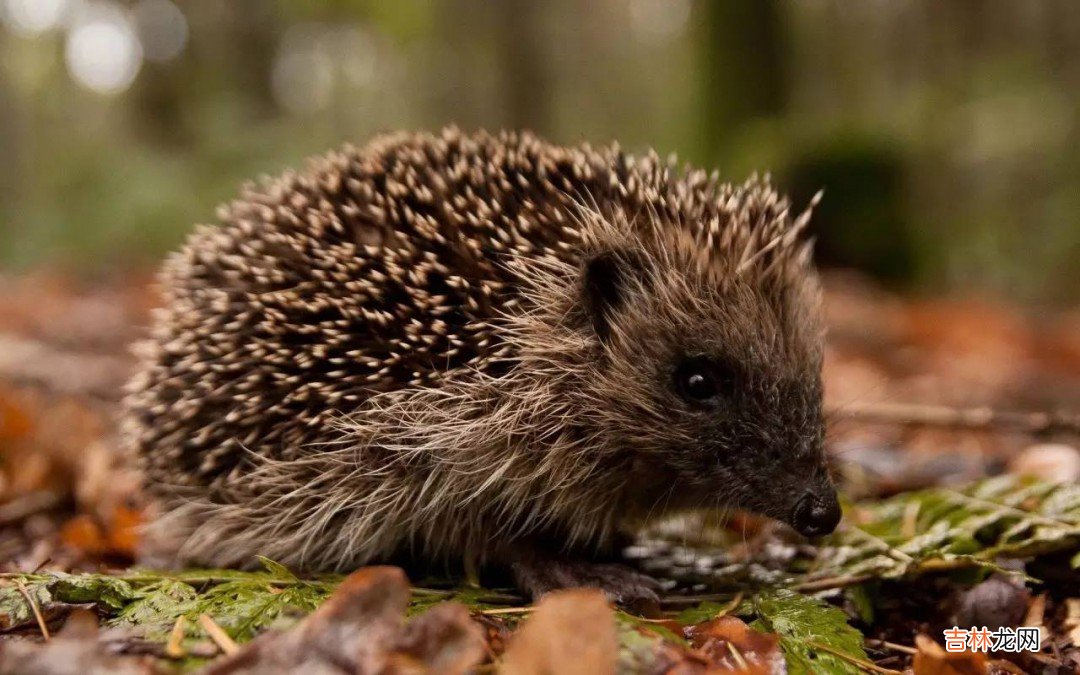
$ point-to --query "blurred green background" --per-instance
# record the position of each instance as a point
(945, 134)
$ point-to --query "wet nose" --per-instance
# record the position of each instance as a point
(815, 515)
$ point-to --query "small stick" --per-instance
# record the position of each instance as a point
(225, 643)
(983, 418)
(865, 665)
(731, 606)
(506, 610)
(893, 646)
(830, 583)
(174, 648)
(680, 600)
(740, 661)
(34, 608)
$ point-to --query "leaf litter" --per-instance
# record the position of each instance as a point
(979, 527)
(871, 598)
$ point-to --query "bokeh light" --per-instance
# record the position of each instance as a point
(103, 52)
(33, 17)
(303, 75)
(358, 55)
(162, 28)
(658, 21)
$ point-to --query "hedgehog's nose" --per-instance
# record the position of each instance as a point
(815, 515)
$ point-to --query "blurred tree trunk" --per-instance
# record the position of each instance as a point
(158, 101)
(743, 65)
(525, 84)
(9, 149)
(252, 37)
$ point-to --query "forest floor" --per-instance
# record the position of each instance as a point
(954, 429)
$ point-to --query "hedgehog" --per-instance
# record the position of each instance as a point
(486, 349)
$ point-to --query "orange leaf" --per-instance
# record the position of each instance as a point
(83, 534)
(123, 531)
(733, 647)
(932, 659)
(15, 422)
(572, 632)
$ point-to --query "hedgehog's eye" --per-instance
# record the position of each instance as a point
(700, 380)
(699, 386)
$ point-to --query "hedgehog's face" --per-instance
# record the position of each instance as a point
(714, 391)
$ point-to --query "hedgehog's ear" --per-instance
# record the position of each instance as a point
(606, 287)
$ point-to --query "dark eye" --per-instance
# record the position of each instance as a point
(698, 385)
(700, 380)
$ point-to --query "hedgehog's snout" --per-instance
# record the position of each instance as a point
(816, 513)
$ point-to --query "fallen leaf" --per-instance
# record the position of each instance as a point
(15, 422)
(1072, 620)
(118, 536)
(123, 531)
(360, 630)
(443, 639)
(572, 632)
(814, 635)
(962, 339)
(733, 647)
(85, 535)
(1036, 611)
(78, 649)
(932, 659)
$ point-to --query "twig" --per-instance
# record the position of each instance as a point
(740, 661)
(225, 643)
(174, 648)
(946, 564)
(829, 583)
(435, 592)
(681, 600)
(506, 610)
(893, 646)
(34, 608)
(865, 665)
(983, 418)
(731, 606)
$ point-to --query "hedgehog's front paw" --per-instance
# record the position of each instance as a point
(619, 583)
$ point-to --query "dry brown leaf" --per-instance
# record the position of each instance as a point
(49, 443)
(932, 659)
(1036, 611)
(85, 535)
(733, 647)
(1072, 620)
(443, 639)
(118, 536)
(572, 632)
(76, 650)
(123, 531)
(1061, 342)
(360, 630)
(15, 422)
(972, 342)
